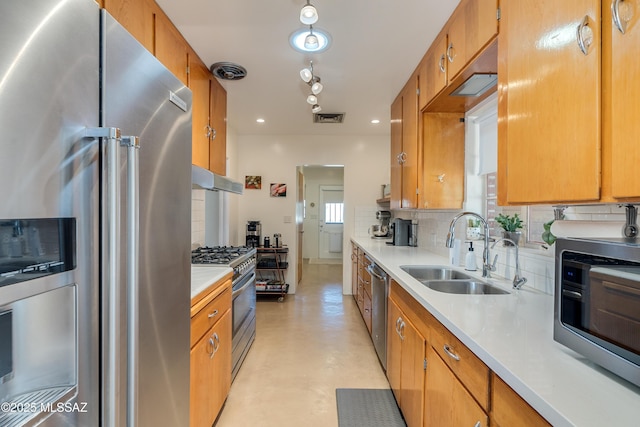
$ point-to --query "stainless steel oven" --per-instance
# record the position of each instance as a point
(243, 311)
(597, 302)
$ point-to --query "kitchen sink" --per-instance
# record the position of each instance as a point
(466, 287)
(451, 281)
(433, 272)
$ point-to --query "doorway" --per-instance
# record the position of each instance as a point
(323, 214)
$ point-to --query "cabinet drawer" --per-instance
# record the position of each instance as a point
(470, 370)
(205, 318)
(509, 409)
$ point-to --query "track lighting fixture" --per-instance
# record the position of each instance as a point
(311, 40)
(307, 76)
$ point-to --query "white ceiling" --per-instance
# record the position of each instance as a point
(376, 46)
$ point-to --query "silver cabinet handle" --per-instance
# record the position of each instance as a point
(214, 341)
(402, 157)
(477, 424)
(402, 325)
(584, 35)
(212, 345)
(214, 314)
(208, 129)
(441, 64)
(450, 353)
(449, 50)
(615, 12)
(215, 133)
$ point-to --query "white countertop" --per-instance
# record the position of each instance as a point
(203, 277)
(513, 335)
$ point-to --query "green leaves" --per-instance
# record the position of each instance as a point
(509, 223)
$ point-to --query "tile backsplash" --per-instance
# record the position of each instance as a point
(536, 262)
(197, 218)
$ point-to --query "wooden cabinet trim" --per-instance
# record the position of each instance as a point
(210, 293)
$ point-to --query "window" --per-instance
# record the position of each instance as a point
(333, 213)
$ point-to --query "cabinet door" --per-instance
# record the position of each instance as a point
(624, 69)
(199, 83)
(171, 48)
(433, 77)
(447, 402)
(137, 16)
(218, 113)
(410, 144)
(481, 25)
(394, 348)
(354, 270)
(210, 373)
(412, 374)
(443, 161)
(396, 152)
(549, 102)
(456, 45)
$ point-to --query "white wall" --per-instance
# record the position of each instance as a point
(276, 158)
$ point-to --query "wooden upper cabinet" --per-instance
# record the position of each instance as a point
(433, 76)
(218, 112)
(621, 72)
(456, 48)
(443, 161)
(137, 16)
(481, 26)
(396, 152)
(549, 102)
(200, 85)
(170, 47)
(410, 161)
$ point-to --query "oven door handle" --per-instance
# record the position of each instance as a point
(571, 294)
(250, 281)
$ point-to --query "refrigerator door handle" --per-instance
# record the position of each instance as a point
(132, 144)
(111, 267)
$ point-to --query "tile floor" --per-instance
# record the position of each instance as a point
(305, 348)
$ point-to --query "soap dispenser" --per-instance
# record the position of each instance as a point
(470, 261)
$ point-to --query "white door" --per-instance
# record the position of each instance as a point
(330, 221)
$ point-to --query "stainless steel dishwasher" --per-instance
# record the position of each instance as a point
(379, 294)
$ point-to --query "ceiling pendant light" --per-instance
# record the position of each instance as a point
(312, 99)
(308, 14)
(306, 74)
(316, 109)
(311, 41)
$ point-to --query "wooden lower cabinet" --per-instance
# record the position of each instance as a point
(454, 387)
(509, 409)
(406, 348)
(447, 401)
(211, 345)
(211, 373)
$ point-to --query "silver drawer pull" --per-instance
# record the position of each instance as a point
(214, 314)
(450, 353)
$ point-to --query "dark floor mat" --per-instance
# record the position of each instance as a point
(360, 407)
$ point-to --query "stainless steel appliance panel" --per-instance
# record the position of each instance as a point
(48, 96)
(379, 294)
(139, 96)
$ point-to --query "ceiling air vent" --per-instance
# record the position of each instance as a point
(228, 71)
(328, 117)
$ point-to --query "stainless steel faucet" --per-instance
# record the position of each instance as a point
(518, 280)
(487, 267)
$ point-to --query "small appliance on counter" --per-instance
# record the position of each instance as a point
(254, 231)
(381, 231)
(400, 232)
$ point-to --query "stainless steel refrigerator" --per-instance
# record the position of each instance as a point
(95, 223)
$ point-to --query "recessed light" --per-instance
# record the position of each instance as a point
(297, 38)
(375, 121)
(260, 120)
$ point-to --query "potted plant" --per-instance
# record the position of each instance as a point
(510, 225)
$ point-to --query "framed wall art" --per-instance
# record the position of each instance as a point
(253, 182)
(278, 190)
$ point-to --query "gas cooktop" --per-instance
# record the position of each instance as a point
(221, 255)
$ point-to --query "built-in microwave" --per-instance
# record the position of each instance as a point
(597, 302)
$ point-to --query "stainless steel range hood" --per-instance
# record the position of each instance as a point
(203, 178)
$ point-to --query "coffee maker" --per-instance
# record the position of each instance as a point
(254, 230)
(400, 232)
